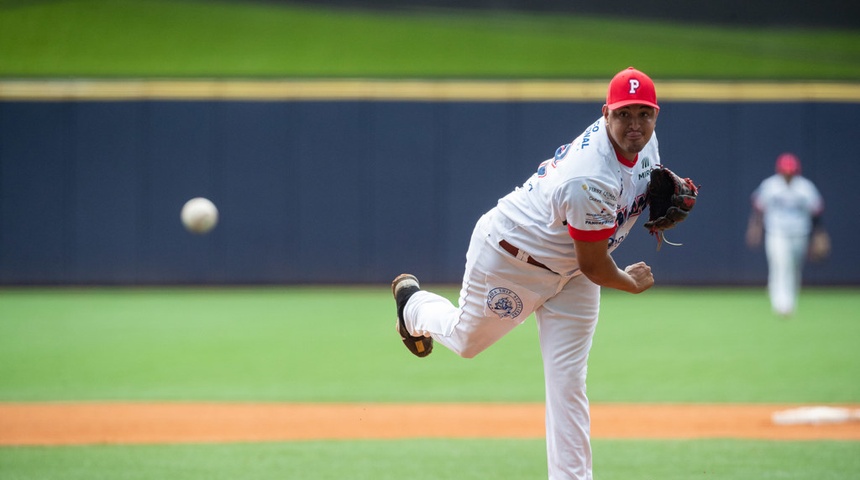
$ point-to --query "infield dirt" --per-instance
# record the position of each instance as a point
(148, 423)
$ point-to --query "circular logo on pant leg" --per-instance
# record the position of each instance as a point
(504, 302)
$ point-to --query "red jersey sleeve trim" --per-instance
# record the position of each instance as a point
(590, 235)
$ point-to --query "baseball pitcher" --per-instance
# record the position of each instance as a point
(546, 248)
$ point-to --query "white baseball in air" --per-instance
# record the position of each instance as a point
(199, 215)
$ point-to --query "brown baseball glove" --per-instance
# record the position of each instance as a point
(670, 199)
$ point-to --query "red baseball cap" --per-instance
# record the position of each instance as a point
(631, 87)
(787, 164)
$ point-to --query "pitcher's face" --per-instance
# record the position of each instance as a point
(630, 127)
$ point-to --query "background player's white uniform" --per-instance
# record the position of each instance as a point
(585, 191)
(788, 208)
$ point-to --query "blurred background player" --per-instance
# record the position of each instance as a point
(787, 211)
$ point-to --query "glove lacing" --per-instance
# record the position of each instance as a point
(661, 238)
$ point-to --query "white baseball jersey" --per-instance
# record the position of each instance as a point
(586, 191)
(788, 208)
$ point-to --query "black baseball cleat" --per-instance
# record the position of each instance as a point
(403, 287)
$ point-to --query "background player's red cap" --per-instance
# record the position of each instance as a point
(631, 87)
(787, 164)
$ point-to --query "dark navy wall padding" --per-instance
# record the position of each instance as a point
(359, 191)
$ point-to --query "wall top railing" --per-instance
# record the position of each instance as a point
(412, 90)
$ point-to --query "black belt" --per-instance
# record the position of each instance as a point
(517, 252)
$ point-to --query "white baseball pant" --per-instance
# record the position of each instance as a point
(785, 257)
(566, 309)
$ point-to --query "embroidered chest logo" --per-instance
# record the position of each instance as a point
(505, 302)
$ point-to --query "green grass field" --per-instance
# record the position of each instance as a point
(335, 344)
(157, 38)
(457, 459)
(338, 344)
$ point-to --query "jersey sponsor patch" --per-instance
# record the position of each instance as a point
(504, 302)
(592, 213)
(596, 191)
(600, 219)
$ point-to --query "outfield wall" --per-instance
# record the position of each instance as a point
(358, 188)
